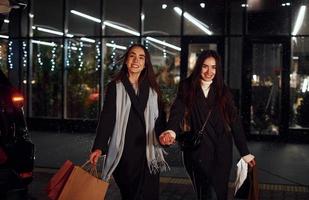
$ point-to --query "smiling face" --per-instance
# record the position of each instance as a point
(208, 71)
(135, 61)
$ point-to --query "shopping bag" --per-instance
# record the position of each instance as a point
(250, 188)
(57, 182)
(84, 185)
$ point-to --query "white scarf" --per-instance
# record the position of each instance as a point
(154, 152)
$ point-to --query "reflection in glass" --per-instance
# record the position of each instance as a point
(165, 58)
(300, 18)
(83, 72)
(46, 79)
(299, 84)
(194, 52)
(266, 88)
(3, 56)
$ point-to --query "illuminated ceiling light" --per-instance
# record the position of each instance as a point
(160, 48)
(121, 28)
(6, 21)
(85, 16)
(116, 46)
(69, 35)
(143, 16)
(194, 21)
(50, 31)
(51, 44)
(202, 5)
(288, 4)
(164, 6)
(163, 43)
(244, 5)
(299, 20)
(33, 27)
(31, 15)
(283, 4)
(4, 36)
(87, 40)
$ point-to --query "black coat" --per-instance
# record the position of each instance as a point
(213, 158)
(132, 173)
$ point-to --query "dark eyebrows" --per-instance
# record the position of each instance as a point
(132, 52)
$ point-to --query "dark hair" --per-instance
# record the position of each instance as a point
(223, 96)
(147, 72)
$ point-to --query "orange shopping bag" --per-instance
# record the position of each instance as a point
(57, 182)
(84, 185)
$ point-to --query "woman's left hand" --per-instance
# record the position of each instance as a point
(250, 160)
(166, 138)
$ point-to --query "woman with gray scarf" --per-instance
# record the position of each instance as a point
(128, 129)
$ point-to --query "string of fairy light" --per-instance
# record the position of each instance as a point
(25, 54)
(69, 54)
(80, 56)
(53, 63)
(10, 55)
(98, 55)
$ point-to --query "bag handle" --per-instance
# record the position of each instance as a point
(203, 127)
(93, 169)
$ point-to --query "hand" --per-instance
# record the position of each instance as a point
(166, 138)
(94, 156)
(252, 163)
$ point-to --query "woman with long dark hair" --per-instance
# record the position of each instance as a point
(201, 95)
(129, 124)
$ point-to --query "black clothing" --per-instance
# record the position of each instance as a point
(212, 160)
(131, 174)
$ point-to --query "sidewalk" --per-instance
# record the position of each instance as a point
(283, 168)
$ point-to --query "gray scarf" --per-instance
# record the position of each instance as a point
(154, 152)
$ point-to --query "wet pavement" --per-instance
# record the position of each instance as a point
(283, 168)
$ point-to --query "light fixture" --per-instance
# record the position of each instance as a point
(31, 15)
(113, 45)
(202, 5)
(6, 21)
(49, 31)
(194, 21)
(51, 44)
(163, 43)
(85, 16)
(87, 40)
(164, 6)
(299, 20)
(112, 25)
(4, 36)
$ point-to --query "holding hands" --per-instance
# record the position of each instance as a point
(167, 137)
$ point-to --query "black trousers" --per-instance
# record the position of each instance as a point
(201, 181)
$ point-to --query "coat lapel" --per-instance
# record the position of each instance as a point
(139, 101)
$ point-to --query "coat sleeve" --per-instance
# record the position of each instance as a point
(177, 111)
(107, 120)
(238, 131)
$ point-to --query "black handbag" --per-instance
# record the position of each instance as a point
(188, 140)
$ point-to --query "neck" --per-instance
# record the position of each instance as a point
(133, 78)
(205, 83)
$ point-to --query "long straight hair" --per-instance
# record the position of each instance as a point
(223, 96)
(147, 73)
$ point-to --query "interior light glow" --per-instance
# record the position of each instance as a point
(85, 16)
(163, 43)
(51, 44)
(50, 31)
(202, 5)
(112, 25)
(87, 40)
(164, 6)
(6, 21)
(4, 36)
(113, 45)
(194, 21)
(299, 19)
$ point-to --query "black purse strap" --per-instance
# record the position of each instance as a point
(205, 123)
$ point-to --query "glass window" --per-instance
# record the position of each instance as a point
(78, 24)
(159, 17)
(47, 18)
(236, 19)
(4, 56)
(165, 58)
(299, 83)
(300, 18)
(122, 17)
(234, 67)
(267, 17)
(203, 17)
(83, 73)
(46, 78)
(266, 88)
(4, 29)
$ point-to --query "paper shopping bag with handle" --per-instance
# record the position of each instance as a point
(84, 184)
(57, 182)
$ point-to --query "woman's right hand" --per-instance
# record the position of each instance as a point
(94, 156)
